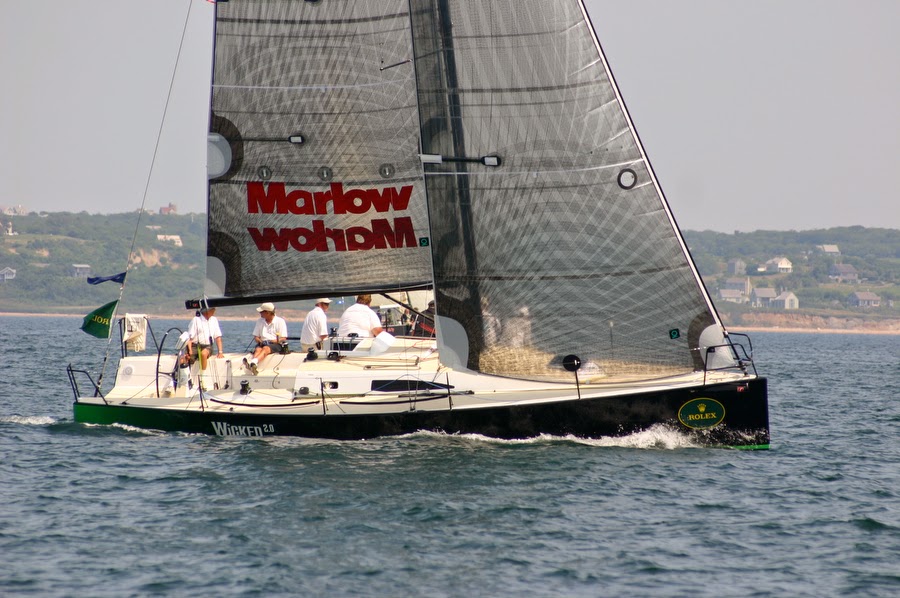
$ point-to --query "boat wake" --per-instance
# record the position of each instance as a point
(659, 436)
(145, 431)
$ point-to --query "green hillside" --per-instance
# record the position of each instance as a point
(45, 248)
(873, 252)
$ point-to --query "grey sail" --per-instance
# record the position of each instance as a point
(567, 247)
(316, 185)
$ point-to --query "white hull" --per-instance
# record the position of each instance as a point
(292, 384)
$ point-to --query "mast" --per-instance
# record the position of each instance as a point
(441, 113)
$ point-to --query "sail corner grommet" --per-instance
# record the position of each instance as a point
(627, 178)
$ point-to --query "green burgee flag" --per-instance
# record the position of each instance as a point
(97, 323)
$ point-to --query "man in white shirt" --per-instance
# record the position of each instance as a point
(315, 327)
(204, 330)
(269, 333)
(360, 319)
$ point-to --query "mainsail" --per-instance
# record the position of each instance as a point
(316, 185)
(567, 247)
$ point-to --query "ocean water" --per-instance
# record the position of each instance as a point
(113, 511)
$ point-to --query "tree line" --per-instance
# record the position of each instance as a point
(45, 246)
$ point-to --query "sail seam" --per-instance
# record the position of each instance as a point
(551, 277)
(313, 87)
(558, 171)
(348, 21)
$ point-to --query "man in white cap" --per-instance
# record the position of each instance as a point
(315, 327)
(269, 333)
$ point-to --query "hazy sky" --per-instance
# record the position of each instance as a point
(762, 114)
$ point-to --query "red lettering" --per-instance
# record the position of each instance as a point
(260, 200)
(269, 239)
(359, 237)
(321, 200)
(290, 205)
(391, 198)
(357, 201)
(383, 235)
(336, 235)
(273, 198)
(402, 235)
(310, 240)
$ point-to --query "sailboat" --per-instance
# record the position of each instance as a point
(479, 150)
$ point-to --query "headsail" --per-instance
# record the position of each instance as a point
(316, 185)
(567, 247)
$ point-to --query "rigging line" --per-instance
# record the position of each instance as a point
(137, 225)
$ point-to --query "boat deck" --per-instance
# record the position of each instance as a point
(406, 376)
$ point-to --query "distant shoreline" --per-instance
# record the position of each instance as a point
(811, 330)
(187, 316)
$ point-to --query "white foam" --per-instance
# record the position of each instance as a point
(658, 436)
(29, 420)
(127, 428)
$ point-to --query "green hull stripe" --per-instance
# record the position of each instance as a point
(154, 419)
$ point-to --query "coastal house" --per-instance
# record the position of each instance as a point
(831, 250)
(736, 267)
(173, 239)
(762, 296)
(732, 296)
(17, 210)
(7, 274)
(843, 273)
(738, 284)
(786, 300)
(865, 299)
(81, 270)
(169, 209)
(779, 265)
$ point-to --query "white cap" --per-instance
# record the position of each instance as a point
(266, 307)
(323, 300)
